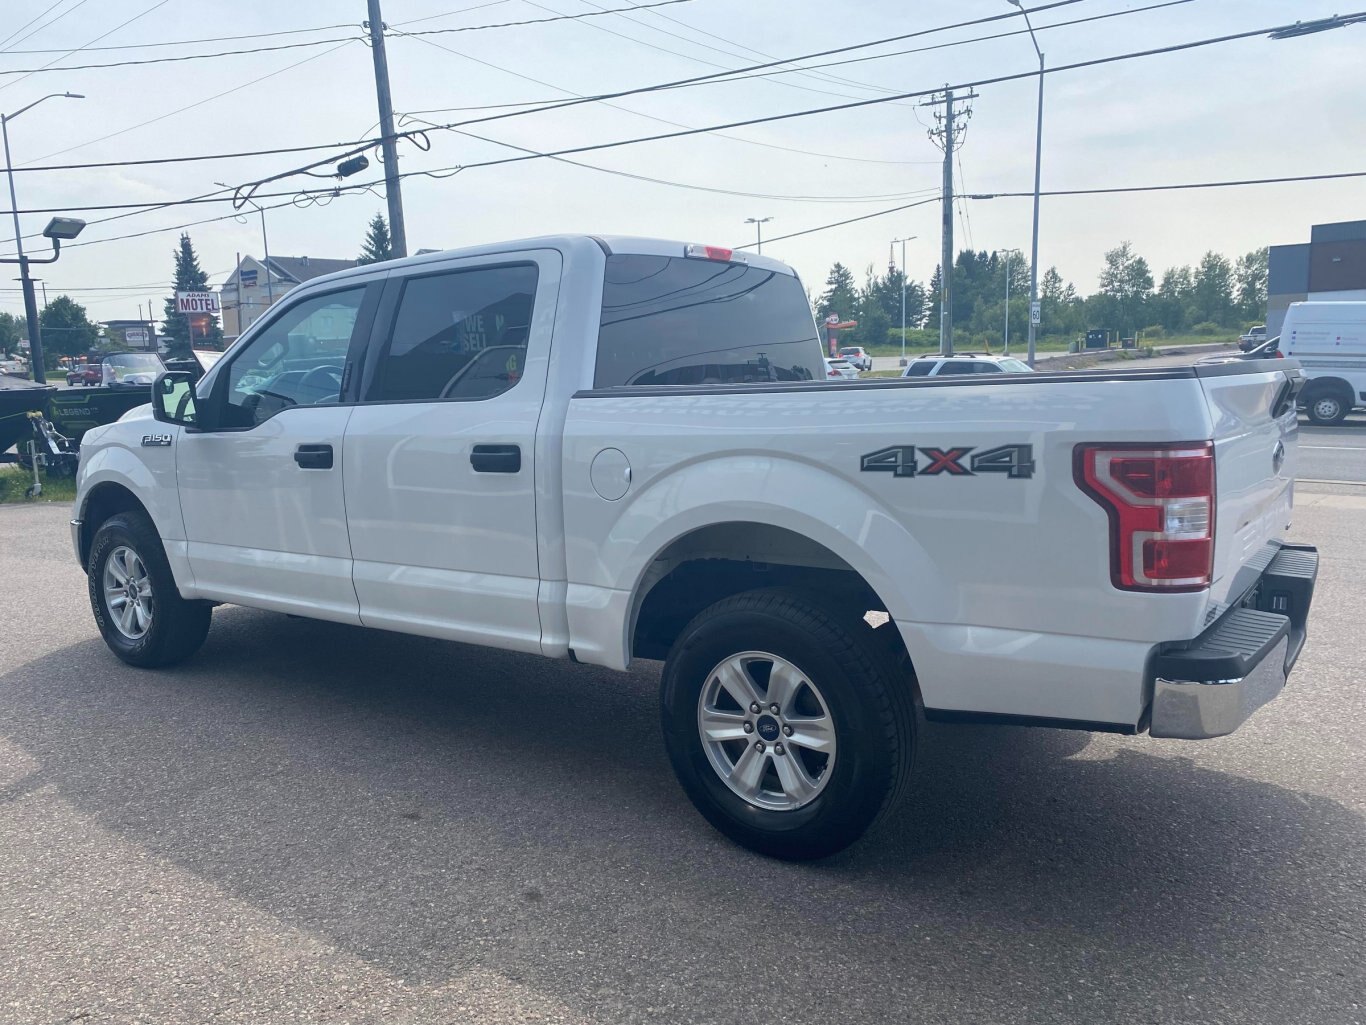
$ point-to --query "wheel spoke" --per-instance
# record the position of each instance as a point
(796, 784)
(812, 734)
(142, 616)
(718, 725)
(748, 771)
(117, 569)
(117, 600)
(785, 681)
(736, 680)
(127, 617)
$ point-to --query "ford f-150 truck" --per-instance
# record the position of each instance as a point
(609, 449)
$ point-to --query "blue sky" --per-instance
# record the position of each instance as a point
(1256, 108)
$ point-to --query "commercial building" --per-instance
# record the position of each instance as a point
(137, 335)
(1330, 266)
(254, 285)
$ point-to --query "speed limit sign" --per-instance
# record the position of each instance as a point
(1034, 317)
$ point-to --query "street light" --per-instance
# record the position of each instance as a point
(903, 242)
(35, 335)
(265, 245)
(1038, 155)
(758, 223)
(1006, 347)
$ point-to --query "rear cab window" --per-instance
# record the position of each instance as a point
(673, 321)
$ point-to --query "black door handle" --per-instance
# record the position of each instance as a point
(496, 458)
(314, 457)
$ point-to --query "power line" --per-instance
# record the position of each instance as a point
(1081, 192)
(850, 220)
(102, 35)
(45, 13)
(188, 42)
(191, 106)
(25, 72)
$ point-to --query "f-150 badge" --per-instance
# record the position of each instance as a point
(1015, 461)
(156, 440)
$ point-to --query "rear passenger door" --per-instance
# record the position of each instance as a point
(439, 467)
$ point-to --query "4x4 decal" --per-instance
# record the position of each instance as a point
(1015, 461)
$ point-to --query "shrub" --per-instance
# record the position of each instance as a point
(1155, 331)
(1207, 327)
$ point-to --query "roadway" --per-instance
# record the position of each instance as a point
(1333, 453)
(313, 823)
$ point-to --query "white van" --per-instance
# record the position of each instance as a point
(1329, 340)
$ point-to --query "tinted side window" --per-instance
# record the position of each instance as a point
(459, 335)
(296, 360)
(958, 367)
(921, 368)
(671, 320)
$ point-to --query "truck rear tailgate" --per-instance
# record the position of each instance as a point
(1254, 433)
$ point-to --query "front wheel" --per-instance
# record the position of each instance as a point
(786, 723)
(1326, 410)
(137, 607)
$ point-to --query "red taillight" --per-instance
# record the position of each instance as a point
(1160, 500)
(719, 253)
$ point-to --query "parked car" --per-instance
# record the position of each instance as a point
(1041, 548)
(1254, 338)
(130, 369)
(856, 355)
(1329, 341)
(965, 363)
(840, 369)
(1269, 349)
(86, 374)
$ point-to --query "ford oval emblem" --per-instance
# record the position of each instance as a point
(1278, 457)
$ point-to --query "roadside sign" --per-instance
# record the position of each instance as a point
(1034, 317)
(197, 302)
(135, 336)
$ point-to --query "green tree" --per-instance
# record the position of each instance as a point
(1126, 287)
(1250, 275)
(176, 325)
(11, 330)
(378, 246)
(840, 296)
(66, 330)
(1212, 292)
(1171, 306)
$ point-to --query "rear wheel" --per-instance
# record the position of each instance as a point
(786, 723)
(1326, 409)
(137, 607)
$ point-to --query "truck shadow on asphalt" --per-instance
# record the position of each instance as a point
(431, 807)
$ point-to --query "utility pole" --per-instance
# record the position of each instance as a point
(944, 136)
(398, 237)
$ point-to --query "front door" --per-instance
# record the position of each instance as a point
(261, 492)
(440, 455)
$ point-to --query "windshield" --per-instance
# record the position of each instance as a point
(1014, 366)
(131, 368)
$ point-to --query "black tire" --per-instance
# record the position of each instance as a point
(177, 628)
(870, 704)
(1326, 409)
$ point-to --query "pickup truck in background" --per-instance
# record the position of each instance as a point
(610, 449)
(1253, 337)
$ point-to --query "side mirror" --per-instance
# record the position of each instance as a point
(173, 400)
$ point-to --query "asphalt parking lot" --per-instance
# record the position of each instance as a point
(312, 823)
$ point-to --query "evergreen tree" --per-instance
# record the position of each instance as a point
(840, 295)
(176, 325)
(378, 246)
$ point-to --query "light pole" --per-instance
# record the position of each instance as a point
(1007, 252)
(903, 242)
(1038, 155)
(265, 246)
(758, 223)
(35, 334)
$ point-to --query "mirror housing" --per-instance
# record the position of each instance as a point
(174, 400)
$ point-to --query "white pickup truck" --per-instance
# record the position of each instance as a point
(608, 449)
